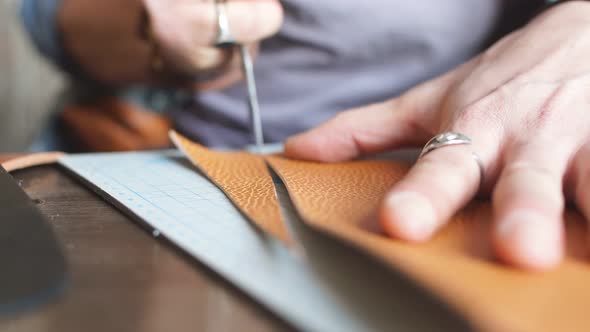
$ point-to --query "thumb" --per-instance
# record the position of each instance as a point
(400, 122)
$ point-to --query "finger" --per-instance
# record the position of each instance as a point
(444, 180)
(193, 23)
(353, 133)
(198, 62)
(408, 120)
(528, 206)
(436, 187)
(581, 182)
(226, 74)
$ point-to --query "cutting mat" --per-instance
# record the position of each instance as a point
(318, 285)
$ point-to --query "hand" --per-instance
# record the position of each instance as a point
(525, 103)
(104, 36)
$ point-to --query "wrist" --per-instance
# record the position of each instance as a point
(573, 15)
(574, 8)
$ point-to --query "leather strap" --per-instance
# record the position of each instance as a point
(244, 178)
(457, 265)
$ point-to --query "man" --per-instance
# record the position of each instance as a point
(513, 118)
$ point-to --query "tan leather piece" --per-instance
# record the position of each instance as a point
(109, 124)
(458, 265)
(30, 160)
(244, 178)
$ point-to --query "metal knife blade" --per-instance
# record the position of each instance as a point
(255, 118)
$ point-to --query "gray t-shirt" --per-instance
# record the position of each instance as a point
(332, 55)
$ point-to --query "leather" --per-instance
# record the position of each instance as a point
(109, 124)
(30, 160)
(457, 265)
(244, 178)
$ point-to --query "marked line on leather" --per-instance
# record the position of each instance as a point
(244, 178)
(290, 216)
(457, 264)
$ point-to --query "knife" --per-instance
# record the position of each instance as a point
(225, 40)
(254, 107)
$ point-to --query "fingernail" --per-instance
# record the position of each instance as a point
(410, 216)
(531, 239)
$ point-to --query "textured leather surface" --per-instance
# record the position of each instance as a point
(457, 265)
(245, 179)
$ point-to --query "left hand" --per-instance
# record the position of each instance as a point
(525, 103)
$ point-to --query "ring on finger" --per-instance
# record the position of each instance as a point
(453, 138)
(224, 35)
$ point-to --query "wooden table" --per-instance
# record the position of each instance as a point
(121, 278)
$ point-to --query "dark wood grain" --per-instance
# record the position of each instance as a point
(122, 279)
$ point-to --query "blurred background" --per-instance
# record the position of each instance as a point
(28, 84)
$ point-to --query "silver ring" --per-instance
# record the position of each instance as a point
(453, 138)
(224, 35)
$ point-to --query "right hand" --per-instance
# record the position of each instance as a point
(103, 37)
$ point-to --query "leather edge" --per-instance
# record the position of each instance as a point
(31, 160)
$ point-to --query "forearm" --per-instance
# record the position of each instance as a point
(103, 39)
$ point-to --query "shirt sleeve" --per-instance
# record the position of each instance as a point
(39, 20)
